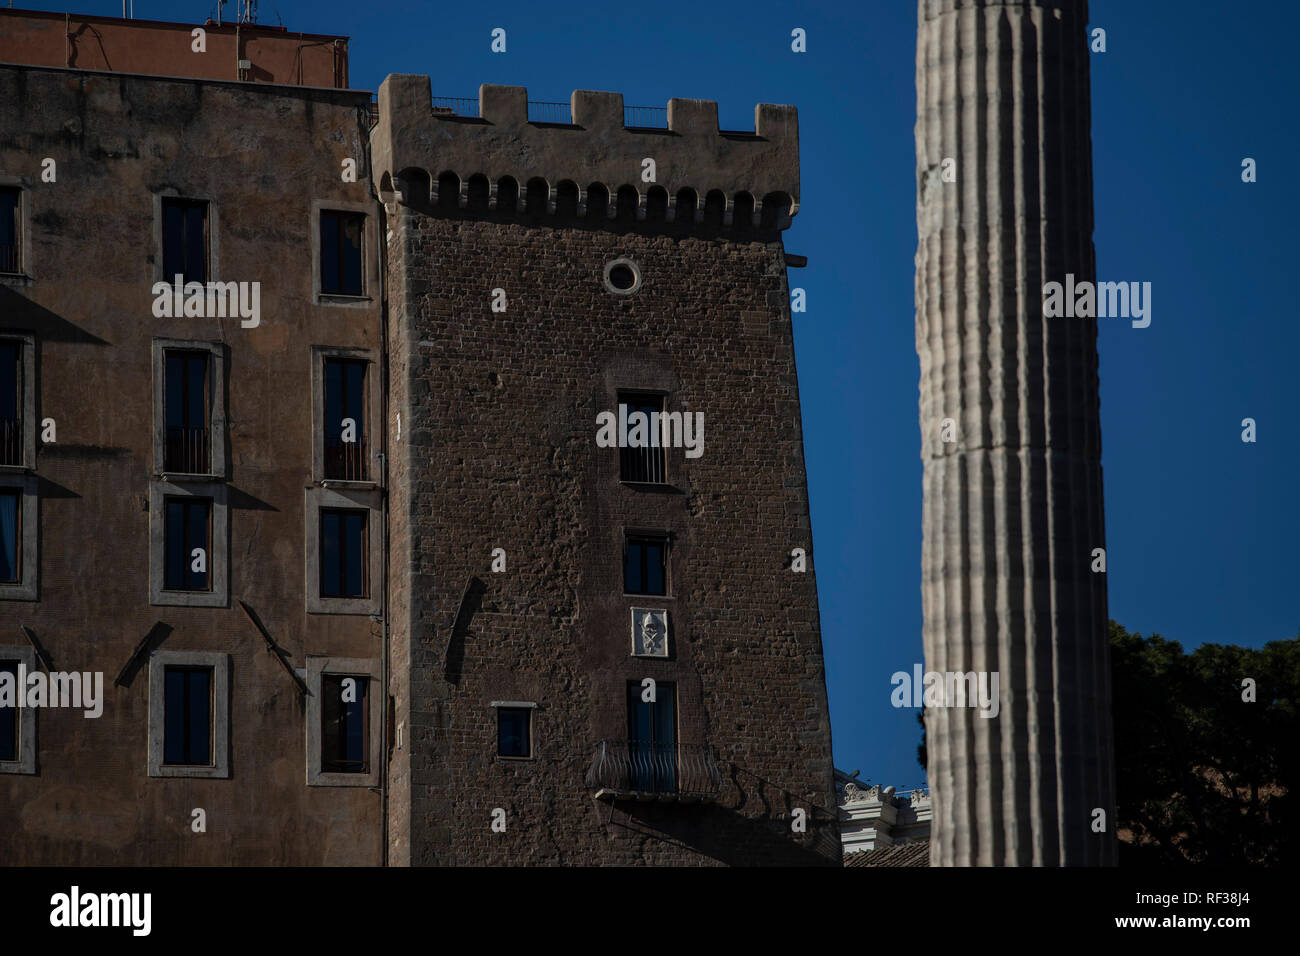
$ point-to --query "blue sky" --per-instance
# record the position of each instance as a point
(1202, 529)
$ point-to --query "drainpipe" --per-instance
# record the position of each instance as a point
(382, 246)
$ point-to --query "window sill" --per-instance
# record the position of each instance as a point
(16, 469)
(170, 477)
(166, 598)
(648, 485)
(339, 298)
(511, 759)
(178, 770)
(355, 606)
(346, 483)
(652, 597)
(17, 279)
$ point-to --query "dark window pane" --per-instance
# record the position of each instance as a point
(632, 568)
(345, 399)
(9, 716)
(644, 463)
(644, 566)
(344, 724)
(513, 731)
(187, 525)
(11, 403)
(654, 566)
(340, 252)
(10, 238)
(187, 716)
(185, 385)
(652, 738)
(10, 535)
(185, 240)
(344, 554)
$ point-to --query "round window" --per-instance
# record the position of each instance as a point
(622, 277)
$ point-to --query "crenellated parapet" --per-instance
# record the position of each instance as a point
(501, 163)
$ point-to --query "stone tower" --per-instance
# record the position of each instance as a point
(1013, 497)
(545, 266)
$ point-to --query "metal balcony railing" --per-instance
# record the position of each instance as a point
(11, 441)
(645, 117)
(643, 464)
(345, 460)
(647, 770)
(188, 451)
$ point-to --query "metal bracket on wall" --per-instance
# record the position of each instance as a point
(280, 654)
(157, 634)
(40, 651)
(469, 602)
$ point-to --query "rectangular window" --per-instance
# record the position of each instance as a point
(9, 743)
(652, 738)
(11, 239)
(344, 559)
(514, 731)
(188, 411)
(188, 544)
(11, 402)
(345, 419)
(185, 240)
(644, 463)
(187, 704)
(345, 723)
(11, 535)
(645, 565)
(340, 252)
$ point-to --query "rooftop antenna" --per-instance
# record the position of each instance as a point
(220, 5)
(247, 11)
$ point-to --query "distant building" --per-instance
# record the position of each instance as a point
(881, 827)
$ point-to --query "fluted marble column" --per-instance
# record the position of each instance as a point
(1013, 505)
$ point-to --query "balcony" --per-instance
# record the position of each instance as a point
(188, 451)
(345, 460)
(641, 770)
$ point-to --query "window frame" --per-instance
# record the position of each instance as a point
(219, 552)
(27, 716)
(331, 499)
(26, 341)
(529, 708)
(373, 401)
(186, 202)
(369, 668)
(370, 281)
(23, 216)
(219, 664)
(26, 588)
(621, 396)
(216, 408)
(664, 539)
(212, 232)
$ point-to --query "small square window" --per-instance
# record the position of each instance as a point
(643, 463)
(344, 558)
(185, 239)
(514, 731)
(188, 547)
(187, 724)
(341, 240)
(345, 723)
(11, 225)
(645, 564)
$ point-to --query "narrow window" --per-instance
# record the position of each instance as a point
(514, 733)
(187, 729)
(10, 230)
(645, 565)
(652, 738)
(345, 723)
(645, 462)
(340, 252)
(188, 545)
(185, 240)
(11, 403)
(11, 536)
(9, 717)
(345, 419)
(188, 447)
(344, 557)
